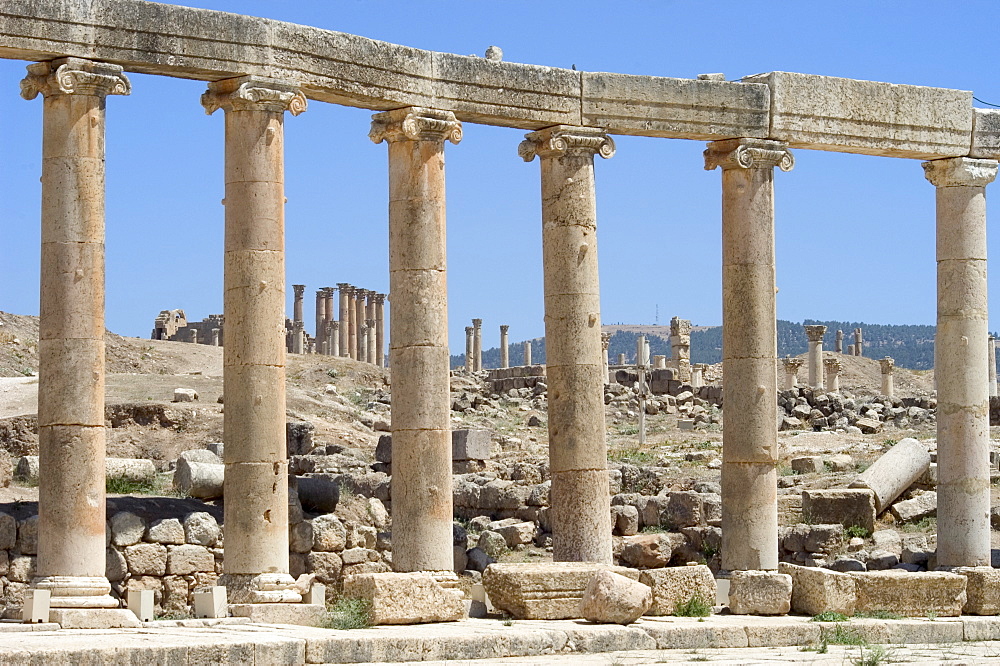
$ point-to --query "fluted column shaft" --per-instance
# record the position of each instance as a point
(749, 344)
(419, 355)
(961, 361)
(256, 479)
(580, 500)
(71, 494)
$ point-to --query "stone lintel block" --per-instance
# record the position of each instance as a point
(405, 598)
(673, 585)
(868, 117)
(855, 506)
(468, 444)
(911, 594)
(94, 618)
(982, 590)
(531, 96)
(550, 591)
(760, 593)
(985, 134)
(309, 615)
(675, 108)
(816, 590)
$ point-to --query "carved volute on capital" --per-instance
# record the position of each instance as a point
(960, 172)
(253, 93)
(74, 76)
(566, 140)
(415, 123)
(815, 333)
(748, 154)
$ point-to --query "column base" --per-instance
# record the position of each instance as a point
(77, 591)
(94, 618)
(266, 588)
(309, 615)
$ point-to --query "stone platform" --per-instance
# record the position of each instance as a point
(236, 641)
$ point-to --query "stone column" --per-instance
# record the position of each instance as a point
(477, 344)
(578, 457)
(71, 435)
(370, 354)
(333, 338)
(850, 350)
(749, 347)
(320, 317)
(328, 294)
(833, 367)
(838, 343)
(380, 330)
(344, 318)
(991, 349)
(605, 343)
(504, 353)
(363, 342)
(887, 388)
(659, 362)
(815, 356)
(698, 375)
(352, 322)
(256, 483)
(961, 361)
(359, 305)
(418, 320)
(527, 352)
(298, 337)
(859, 343)
(680, 347)
(470, 357)
(299, 291)
(193, 335)
(215, 337)
(621, 359)
(791, 366)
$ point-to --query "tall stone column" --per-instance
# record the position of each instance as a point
(504, 352)
(991, 349)
(680, 347)
(749, 348)
(887, 365)
(299, 291)
(215, 337)
(256, 483)
(352, 322)
(320, 317)
(578, 458)
(370, 354)
(470, 356)
(815, 357)
(833, 367)
(380, 330)
(330, 310)
(477, 344)
(418, 319)
(621, 359)
(961, 360)
(71, 435)
(859, 343)
(605, 343)
(527, 352)
(363, 342)
(838, 342)
(333, 338)
(850, 350)
(792, 366)
(359, 304)
(344, 318)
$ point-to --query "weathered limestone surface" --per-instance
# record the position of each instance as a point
(982, 590)
(816, 590)
(868, 117)
(613, 598)
(673, 585)
(543, 591)
(760, 593)
(986, 134)
(911, 594)
(896, 470)
(845, 506)
(405, 598)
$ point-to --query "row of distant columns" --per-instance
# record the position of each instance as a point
(343, 336)
(71, 423)
(474, 347)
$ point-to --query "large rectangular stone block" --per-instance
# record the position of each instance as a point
(868, 117)
(816, 590)
(985, 134)
(911, 594)
(855, 506)
(405, 598)
(676, 585)
(543, 591)
(759, 593)
(982, 590)
(467, 444)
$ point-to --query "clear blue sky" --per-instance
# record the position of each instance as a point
(855, 235)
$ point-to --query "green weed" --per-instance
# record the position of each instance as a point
(847, 636)
(876, 656)
(696, 606)
(852, 531)
(830, 616)
(120, 485)
(348, 613)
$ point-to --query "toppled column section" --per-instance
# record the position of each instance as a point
(895, 471)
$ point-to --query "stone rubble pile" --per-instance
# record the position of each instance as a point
(804, 408)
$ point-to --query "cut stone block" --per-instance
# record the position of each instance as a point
(94, 618)
(308, 615)
(611, 598)
(316, 596)
(986, 134)
(550, 591)
(982, 590)
(185, 395)
(919, 507)
(759, 593)
(808, 464)
(211, 602)
(674, 585)
(911, 594)
(846, 506)
(405, 598)
(517, 534)
(470, 444)
(816, 590)
(650, 551)
(36, 606)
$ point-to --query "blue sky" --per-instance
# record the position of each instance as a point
(855, 234)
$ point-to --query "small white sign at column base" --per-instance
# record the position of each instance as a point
(140, 602)
(36, 606)
(316, 595)
(211, 602)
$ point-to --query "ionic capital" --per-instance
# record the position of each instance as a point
(253, 93)
(563, 140)
(960, 172)
(748, 154)
(74, 76)
(415, 123)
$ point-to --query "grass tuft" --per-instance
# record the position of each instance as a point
(847, 636)
(120, 485)
(696, 606)
(876, 656)
(830, 616)
(348, 613)
(852, 531)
